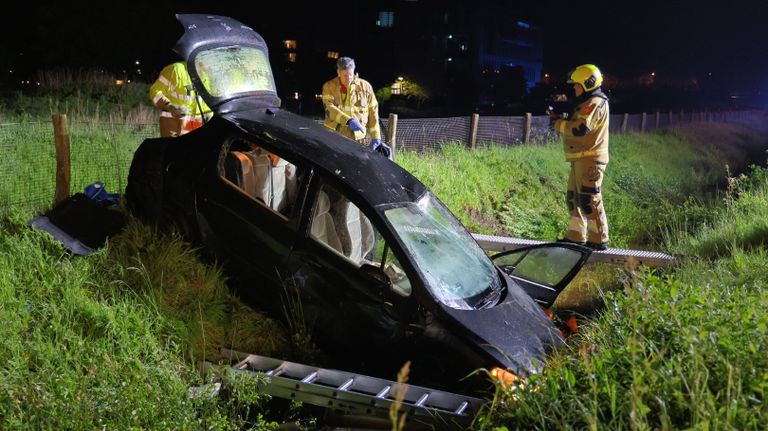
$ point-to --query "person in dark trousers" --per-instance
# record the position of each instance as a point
(585, 141)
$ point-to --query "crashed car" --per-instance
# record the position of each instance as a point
(380, 267)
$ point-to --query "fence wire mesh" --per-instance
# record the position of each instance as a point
(98, 152)
(103, 151)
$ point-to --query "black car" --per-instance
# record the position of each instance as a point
(379, 265)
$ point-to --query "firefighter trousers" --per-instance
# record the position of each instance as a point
(588, 221)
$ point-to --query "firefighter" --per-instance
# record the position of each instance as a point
(181, 110)
(351, 107)
(585, 140)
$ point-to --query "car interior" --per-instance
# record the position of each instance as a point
(263, 176)
(337, 223)
(341, 226)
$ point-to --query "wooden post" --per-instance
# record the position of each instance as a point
(527, 128)
(642, 123)
(624, 122)
(61, 136)
(658, 119)
(670, 118)
(473, 130)
(392, 133)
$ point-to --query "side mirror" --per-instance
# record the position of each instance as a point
(376, 276)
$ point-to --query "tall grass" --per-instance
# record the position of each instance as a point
(651, 180)
(110, 341)
(682, 350)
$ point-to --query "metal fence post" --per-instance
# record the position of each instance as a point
(392, 133)
(61, 137)
(527, 128)
(473, 130)
(624, 122)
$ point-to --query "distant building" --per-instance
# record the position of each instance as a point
(479, 53)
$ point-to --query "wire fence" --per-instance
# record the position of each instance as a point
(98, 152)
(103, 151)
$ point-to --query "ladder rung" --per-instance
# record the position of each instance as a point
(384, 392)
(344, 386)
(422, 399)
(310, 378)
(462, 407)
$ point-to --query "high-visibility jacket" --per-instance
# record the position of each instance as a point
(359, 102)
(174, 86)
(585, 133)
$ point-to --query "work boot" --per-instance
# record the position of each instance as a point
(569, 240)
(597, 246)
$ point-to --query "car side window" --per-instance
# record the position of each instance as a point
(264, 176)
(341, 226)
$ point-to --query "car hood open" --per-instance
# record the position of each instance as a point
(228, 63)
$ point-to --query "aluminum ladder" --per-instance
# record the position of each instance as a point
(612, 255)
(354, 394)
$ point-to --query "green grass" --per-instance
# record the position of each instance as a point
(683, 350)
(652, 180)
(111, 340)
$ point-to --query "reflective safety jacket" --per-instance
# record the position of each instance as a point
(585, 134)
(359, 103)
(174, 86)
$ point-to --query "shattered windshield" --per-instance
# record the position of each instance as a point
(457, 271)
(230, 70)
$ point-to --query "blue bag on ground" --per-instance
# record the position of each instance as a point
(97, 192)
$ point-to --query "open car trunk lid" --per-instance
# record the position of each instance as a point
(229, 69)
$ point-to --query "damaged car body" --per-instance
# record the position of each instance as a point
(381, 268)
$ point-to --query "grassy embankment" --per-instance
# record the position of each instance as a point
(682, 349)
(109, 340)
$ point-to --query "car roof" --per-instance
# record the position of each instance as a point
(377, 179)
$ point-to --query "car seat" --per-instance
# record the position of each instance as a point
(323, 228)
(354, 229)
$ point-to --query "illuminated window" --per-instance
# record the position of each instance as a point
(333, 54)
(386, 19)
(289, 44)
(292, 57)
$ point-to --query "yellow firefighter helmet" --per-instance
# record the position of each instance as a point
(588, 75)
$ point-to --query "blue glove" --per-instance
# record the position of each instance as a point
(354, 125)
(380, 147)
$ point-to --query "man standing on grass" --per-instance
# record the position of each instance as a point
(585, 140)
(351, 107)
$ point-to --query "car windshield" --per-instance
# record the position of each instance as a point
(457, 271)
(230, 70)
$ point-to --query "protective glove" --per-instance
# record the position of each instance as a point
(380, 147)
(553, 116)
(355, 125)
(177, 111)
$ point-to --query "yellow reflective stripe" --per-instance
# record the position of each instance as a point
(173, 90)
(588, 153)
(157, 98)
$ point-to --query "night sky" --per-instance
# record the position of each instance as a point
(673, 39)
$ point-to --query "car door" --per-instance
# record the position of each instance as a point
(352, 283)
(250, 211)
(543, 270)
